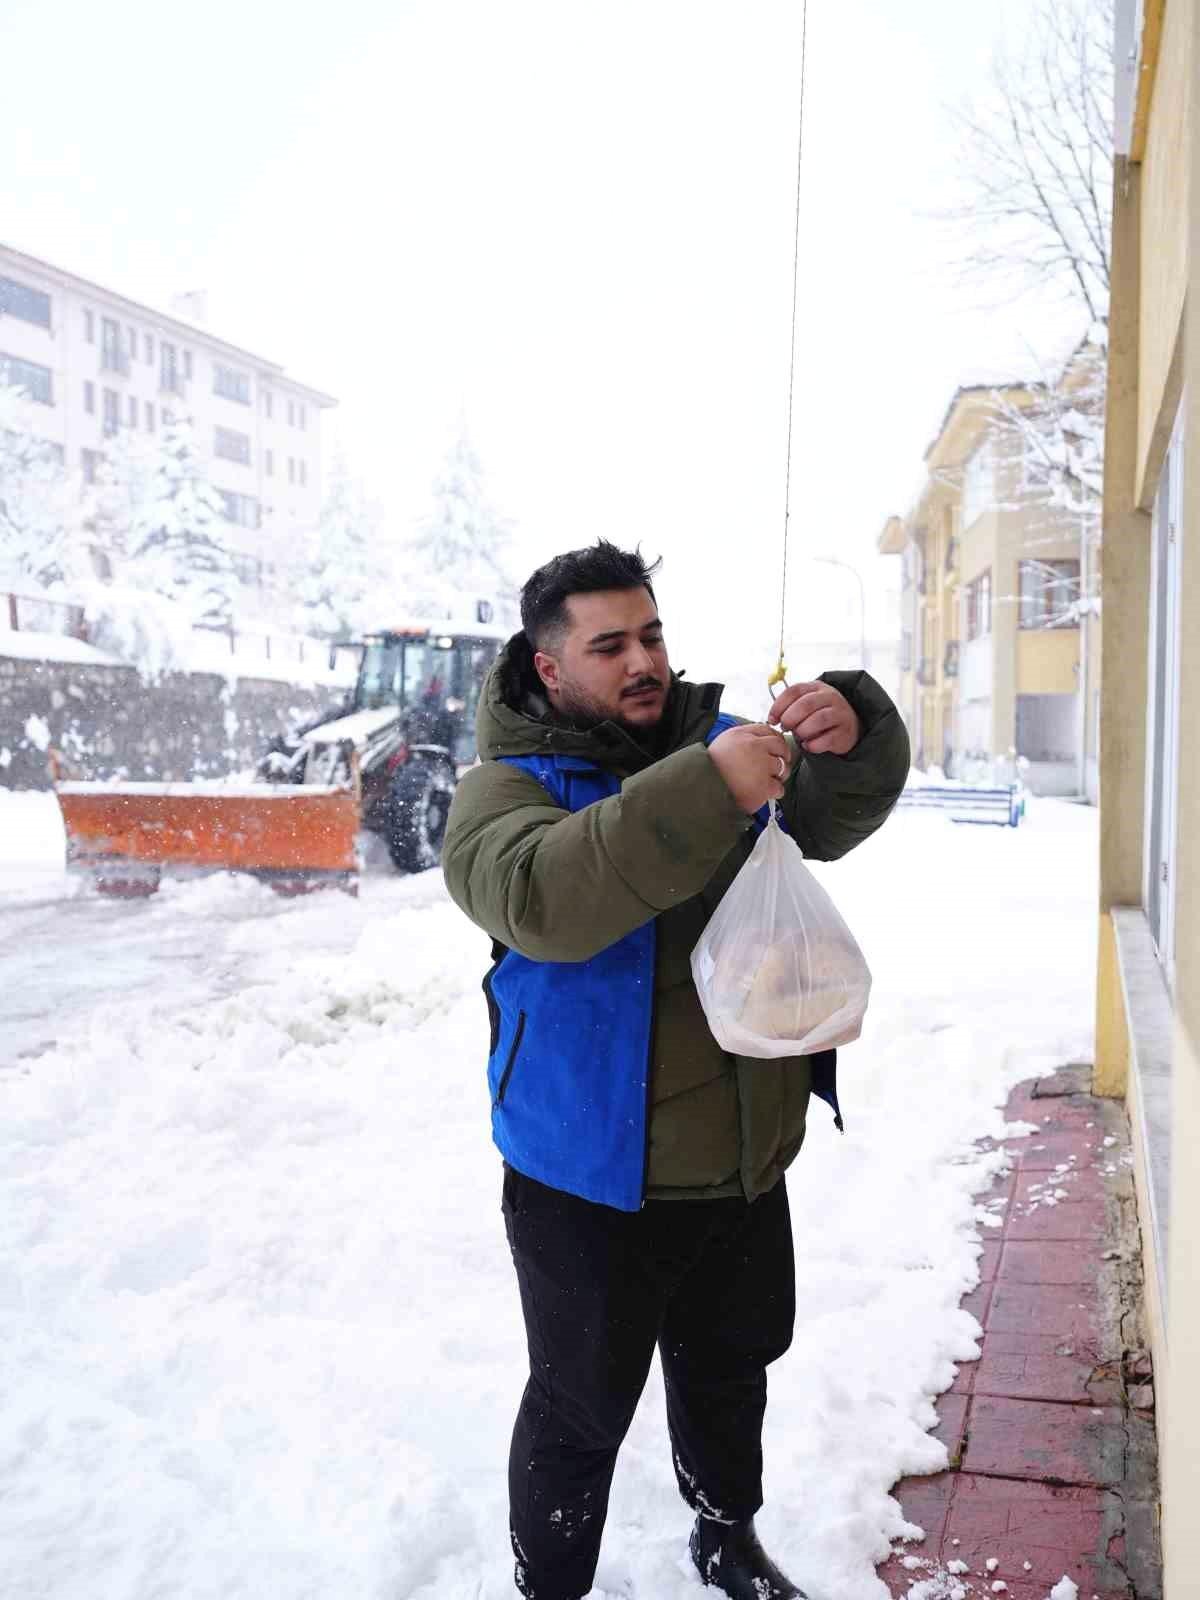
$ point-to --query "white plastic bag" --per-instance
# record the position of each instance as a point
(777, 970)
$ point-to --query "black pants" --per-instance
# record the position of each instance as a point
(712, 1283)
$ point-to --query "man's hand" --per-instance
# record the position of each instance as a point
(754, 762)
(821, 719)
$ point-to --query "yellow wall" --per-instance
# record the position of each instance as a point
(1046, 660)
(1164, 198)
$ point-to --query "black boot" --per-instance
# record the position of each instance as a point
(729, 1557)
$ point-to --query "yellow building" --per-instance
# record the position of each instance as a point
(999, 657)
(1148, 1015)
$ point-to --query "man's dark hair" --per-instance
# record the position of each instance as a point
(596, 567)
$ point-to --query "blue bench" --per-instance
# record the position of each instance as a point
(1001, 807)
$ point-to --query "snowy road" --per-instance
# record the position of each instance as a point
(258, 1334)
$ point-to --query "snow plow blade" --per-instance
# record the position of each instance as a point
(125, 836)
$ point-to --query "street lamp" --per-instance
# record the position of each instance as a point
(835, 561)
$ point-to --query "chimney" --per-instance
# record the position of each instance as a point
(192, 306)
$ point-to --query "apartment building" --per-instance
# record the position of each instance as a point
(1148, 1002)
(999, 659)
(101, 364)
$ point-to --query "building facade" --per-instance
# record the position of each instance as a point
(102, 365)
(999, 630)
(1148, 999)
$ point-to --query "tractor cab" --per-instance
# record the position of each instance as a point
(434, 677)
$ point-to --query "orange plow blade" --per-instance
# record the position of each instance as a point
(295, 838)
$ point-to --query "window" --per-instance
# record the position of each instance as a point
(133, 411)
(1049, 593)
(243, 509)
(148, 348)
(979, 606)
(91, 462)
(291, 469)
(112, 412)
(133, 344)
(1162, 743)
(149, 417)
(89, 327)
(89, 397)
(112, 351)
(248, 570)
(978, 491)
(291, 415)
(303, 417)
(304, 472)
(19, 300)
(53, 451)
(37, 381)
(187, 365)
(269, 463)
(231, 445)
(168, 368)
(267, 404)
(230, 383)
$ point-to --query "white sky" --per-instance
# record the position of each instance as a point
(570, 224)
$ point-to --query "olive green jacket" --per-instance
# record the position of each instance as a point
(561, 886)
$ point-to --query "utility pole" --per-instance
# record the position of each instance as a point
(836, 561)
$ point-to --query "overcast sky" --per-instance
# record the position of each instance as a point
(568, 223)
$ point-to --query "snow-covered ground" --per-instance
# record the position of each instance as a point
(258, 1329)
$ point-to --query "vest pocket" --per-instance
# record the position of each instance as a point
(502, 1086)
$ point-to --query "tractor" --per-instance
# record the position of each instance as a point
(402, 736)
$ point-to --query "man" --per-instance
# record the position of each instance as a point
(643, 1187)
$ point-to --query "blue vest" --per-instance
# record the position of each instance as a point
(569, 1062)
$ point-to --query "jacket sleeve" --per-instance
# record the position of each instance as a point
(833, 803)
(562, 886)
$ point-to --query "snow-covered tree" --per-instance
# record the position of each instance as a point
(344, 575)
(1035, 160)
(176, 540)
(43, 537)
(461, 552)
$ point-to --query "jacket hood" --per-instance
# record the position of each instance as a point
(516, 719)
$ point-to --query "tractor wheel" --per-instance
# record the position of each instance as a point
(418, 805)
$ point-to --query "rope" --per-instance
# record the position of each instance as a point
(780, 675)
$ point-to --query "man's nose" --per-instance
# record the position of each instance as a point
(639, 661)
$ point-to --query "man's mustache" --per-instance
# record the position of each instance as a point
(644, 683)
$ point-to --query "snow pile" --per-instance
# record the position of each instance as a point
(258, 1329)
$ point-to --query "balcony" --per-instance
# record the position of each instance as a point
(950, 661)
(114, 360)
(172, 383)
(925, 673)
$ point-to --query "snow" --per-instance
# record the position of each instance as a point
(1065, 1589)
(37, 731)
(258, 1327)
(27, 645)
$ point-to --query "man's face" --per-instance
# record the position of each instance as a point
(612, 663)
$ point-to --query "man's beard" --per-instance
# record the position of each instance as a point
(584, 711)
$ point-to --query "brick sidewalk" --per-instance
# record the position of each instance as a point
(1053, 1469)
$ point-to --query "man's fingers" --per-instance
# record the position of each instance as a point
(790, 697)
(817, 722)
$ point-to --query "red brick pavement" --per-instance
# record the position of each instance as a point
(1052, 1473)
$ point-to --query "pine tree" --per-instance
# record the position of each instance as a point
(460, 554)
(345, 573)
(175, 544)
(43, 536)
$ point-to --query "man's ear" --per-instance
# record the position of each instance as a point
(547, 669)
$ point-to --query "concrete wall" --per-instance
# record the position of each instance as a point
(108, 723)
(1152, 362)
(1181, 1465)
(1163, 245)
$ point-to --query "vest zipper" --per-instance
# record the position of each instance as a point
(502, 1086)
